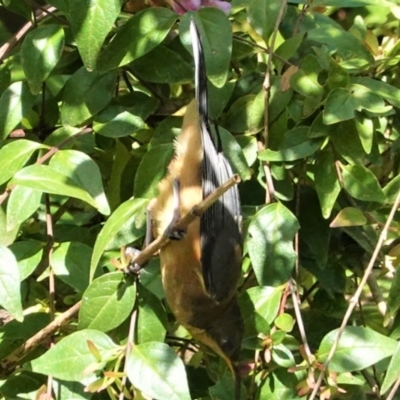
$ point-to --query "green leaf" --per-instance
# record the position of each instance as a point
(28, 254)
(15, 102)
(14, 333)
(393, 301)
(70, 262)
(91, 24)
(6, 237)
(384, 90)
(270, 244)
(10, 298)
(341, 103)
(22, 203)
(152, 318)
(296, 145)
(85, 94)
(107, 302)
(71, 357)
(349, 216)
(344, 43)
(339, 106)
(112, 226)
(392, 189)
(234, 154)
(259, 306)
(285, 322)
(283, 356)
(305, 80)
(84, 172)
(151, 170)
(365, 129)
(115, 121)
(362, 184)
(40, 52)
(294, 153)
(49, 180)
(216, 37)
(262, 16)
(156, 370)
(155, 66)
(246, 114)
(393, 371)
(142, 33)
(358, 348)
(326, 181)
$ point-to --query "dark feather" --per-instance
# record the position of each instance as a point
(220, 225)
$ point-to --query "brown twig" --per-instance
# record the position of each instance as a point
(11, 43)
(128, 349)
(49, 247)
(270, 192)
(197, 211)
(354, 301)
(32, 343)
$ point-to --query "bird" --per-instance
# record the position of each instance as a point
(201, 267)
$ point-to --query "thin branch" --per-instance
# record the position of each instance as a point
(354, 301)
(32, 343)
(128, 349)
(197, 211)
(300, 323)
(49, 247)
(394, 389)
(11, 43)
(270, 192)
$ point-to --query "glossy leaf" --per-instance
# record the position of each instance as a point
(22, 203)
(152, 170)
(14, 155)
(216, 36)
(155, 66)
(91, 26)
(262, 16)
(28, 254)
(10, 299)
(40, 53)
(326, 181)
(358, 348)
(70, 262)
(246, 114)
(112, 226)
(15, 103)
(342, 103)
(305, 80)
(85, 94)
(152, 318)
(156, 370)
(393, 301)
(259, 306)
(6, 236)
(84, 172)
(393, 371)
(107, 302)
(362, 184)
(49, 180)
(115, 121)
(142, 33)
(234, 154)
(70, 358)
(349, 216)
(270, 244)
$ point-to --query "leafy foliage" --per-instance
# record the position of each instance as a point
(306, 96)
